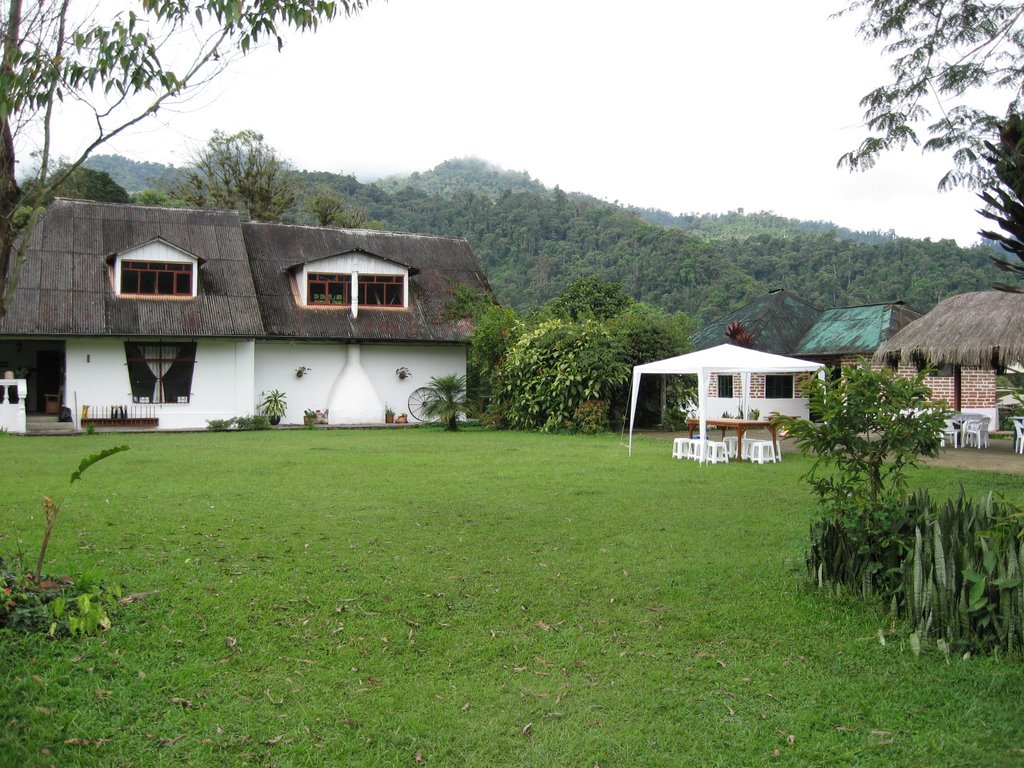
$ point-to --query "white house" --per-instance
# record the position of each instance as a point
(169, 318)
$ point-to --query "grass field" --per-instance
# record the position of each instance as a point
(387, 598)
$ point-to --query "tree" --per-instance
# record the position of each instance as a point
(239, 171)
(946, 53)
(82, 183)
(331, 210)
(445, 399)
(115, 66)
(1005, 198)
(591, 297)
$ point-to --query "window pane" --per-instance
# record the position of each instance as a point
(778, 387)
(725, 386)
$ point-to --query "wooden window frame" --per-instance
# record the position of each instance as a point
(341, 281)
(157, 278)
(381, 291)
(722, 378)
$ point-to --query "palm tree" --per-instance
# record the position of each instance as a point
(445, 399)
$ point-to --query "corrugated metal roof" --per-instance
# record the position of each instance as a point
(777, 322)
(66, 286)
(855, 330)
(439, 264)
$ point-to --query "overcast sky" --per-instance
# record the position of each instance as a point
(687, 107)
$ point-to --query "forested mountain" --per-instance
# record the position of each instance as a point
(533, 242)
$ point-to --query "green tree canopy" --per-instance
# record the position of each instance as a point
(238, 171)
(946, 57)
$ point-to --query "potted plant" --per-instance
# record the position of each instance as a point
(309, 417)
(274, 405)
(403, 373)
(401, 419)
(389, 414)
(301, 371)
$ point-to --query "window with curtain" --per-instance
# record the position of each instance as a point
(160, 372)
(724, 385)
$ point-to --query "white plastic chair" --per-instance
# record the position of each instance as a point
(730, 445)
(951, 432)
(976, 427)
(1018, 428)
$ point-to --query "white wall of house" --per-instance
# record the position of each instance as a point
(97, 376)
(277, 362)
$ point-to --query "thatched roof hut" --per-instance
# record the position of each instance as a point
(984, 329)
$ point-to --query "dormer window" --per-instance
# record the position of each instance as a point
(352, 280)
(156, 278)
(326, 289)
(155, 269)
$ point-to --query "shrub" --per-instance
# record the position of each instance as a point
(872, 427)
(258, 421)
(590, 418)
(963, 583)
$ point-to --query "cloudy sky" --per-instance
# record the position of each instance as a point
(687, 107)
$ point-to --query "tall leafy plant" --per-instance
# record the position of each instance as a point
(872, 427)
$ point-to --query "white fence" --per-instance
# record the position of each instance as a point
(13, 393)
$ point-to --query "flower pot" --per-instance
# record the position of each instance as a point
(309, 421)
(389, 418)
(403, 419)
(275, 420)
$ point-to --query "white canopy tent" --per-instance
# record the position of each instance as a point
(725, 358)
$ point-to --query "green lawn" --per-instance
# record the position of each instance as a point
(379, 598)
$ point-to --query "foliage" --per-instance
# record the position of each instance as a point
(1004, 199)
(238, 171)
(57, 606)
(445, 400)
(554, 367)
(274, 403)
(952, 54)
(332, 210)
(590, 297)
(256, 421)
(495, 328)
(872, 427)
(590, 418)
(241, 423)
(82, 183)
(965, 587)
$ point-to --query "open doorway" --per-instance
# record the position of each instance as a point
(46, 388)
